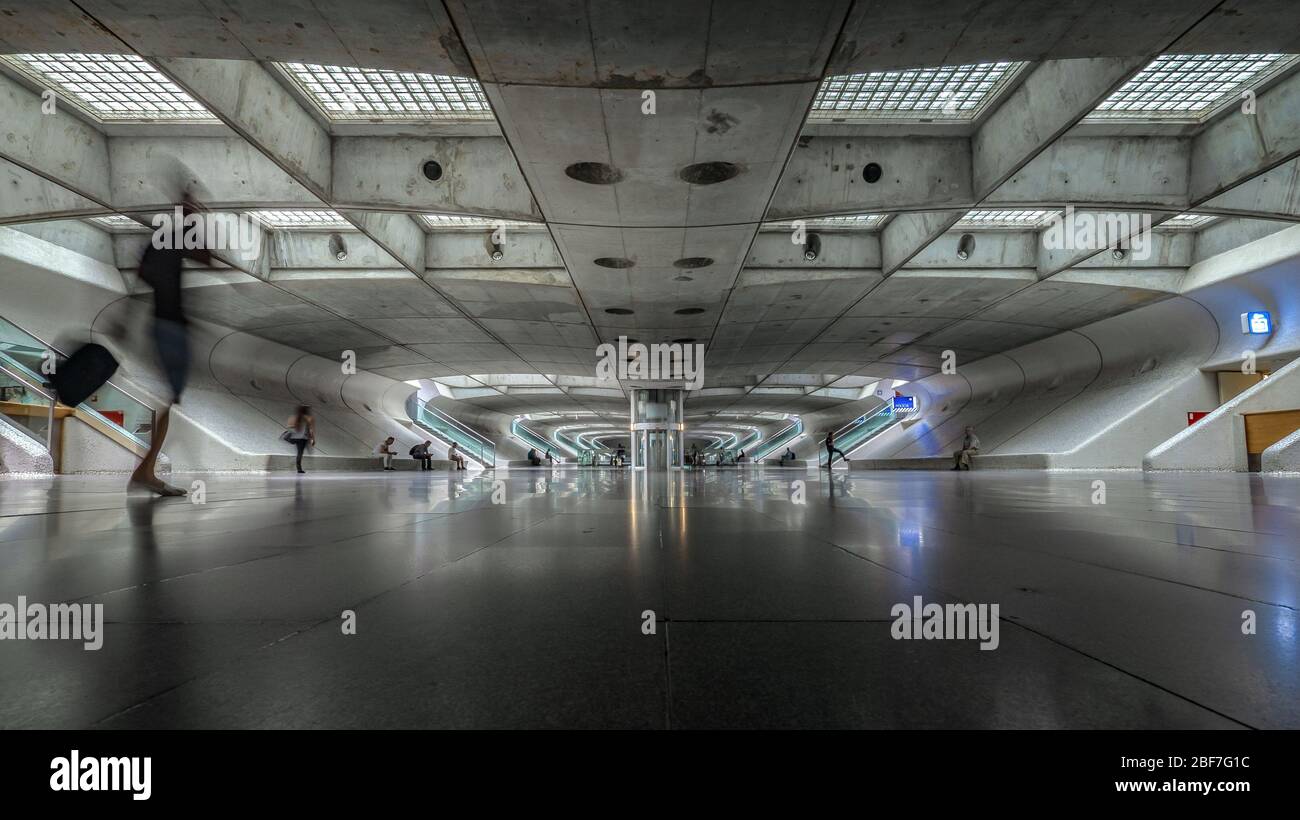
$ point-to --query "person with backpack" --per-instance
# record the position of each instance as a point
(420, 453)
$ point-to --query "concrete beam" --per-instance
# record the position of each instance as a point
(57, 146)
(1050, 101)
(29, 197)
(1241, 145)
(247, 98)
(479, 176)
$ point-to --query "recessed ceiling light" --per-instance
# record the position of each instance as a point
(619, 311)
(617, 262)
(709, 173)
(594, 173)
(690, 311)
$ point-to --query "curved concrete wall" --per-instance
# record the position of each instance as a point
(1096, 397)
(242, 388)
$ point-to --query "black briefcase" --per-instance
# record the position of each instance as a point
(77, 377)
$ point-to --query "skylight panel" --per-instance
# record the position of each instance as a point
(859, 222)
(345, 93)
(111, 87)
(301, 219)
(1009, 219)
(952, 93)
(1190, 86)
(456, 222)
(116, 223)
(1187, 222)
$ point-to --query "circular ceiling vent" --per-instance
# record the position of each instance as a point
(871, 173)
(594, 173)
(619, 311)
(688, 262)
(683, 278)
(689, 311)
(432, 171)
(613, 262)
(709, 173)
(683, 341)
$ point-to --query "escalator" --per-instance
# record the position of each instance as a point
(781, 439)
(26, 400)
(476, 447)
(858, 432)
(558, 451)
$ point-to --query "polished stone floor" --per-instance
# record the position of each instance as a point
(772, 600)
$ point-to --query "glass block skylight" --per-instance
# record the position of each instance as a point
(1190, 86)
(1008, 219)
(1187, 222)
(345, 93)
(854, 222)
(952, 93)
(111, 87)
(116, 223)
(302, 219)
(456, 222)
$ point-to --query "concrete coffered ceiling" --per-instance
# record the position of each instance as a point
(659, 159)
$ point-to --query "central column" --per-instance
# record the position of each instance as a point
(657, 426)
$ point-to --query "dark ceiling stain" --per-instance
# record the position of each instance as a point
(720, 122)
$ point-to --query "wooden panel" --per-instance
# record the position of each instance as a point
(1265, 429)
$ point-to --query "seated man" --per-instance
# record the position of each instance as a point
(970, 445)
(420, 453)
(386, 452)
(533, 458)
(787, 457)
(453, 455)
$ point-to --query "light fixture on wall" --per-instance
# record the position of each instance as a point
(495, 249)
(338, 248)
(812, 247)
(1118, 252)
(965, 246)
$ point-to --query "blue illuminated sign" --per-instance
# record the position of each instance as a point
(1256, 322)
(904, 404)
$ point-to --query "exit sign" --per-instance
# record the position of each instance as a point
(1194, 416)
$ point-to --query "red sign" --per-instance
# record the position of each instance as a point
(1194, 416)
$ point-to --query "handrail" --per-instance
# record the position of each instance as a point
(858, 432)
(473, 444)
(533, 440)
(82, 412)
(766, 448)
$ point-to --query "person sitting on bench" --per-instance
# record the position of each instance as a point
(453, 455)
(787, 457)
(970, 445)
(386, 452)
(533, 458)
(420, 453)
